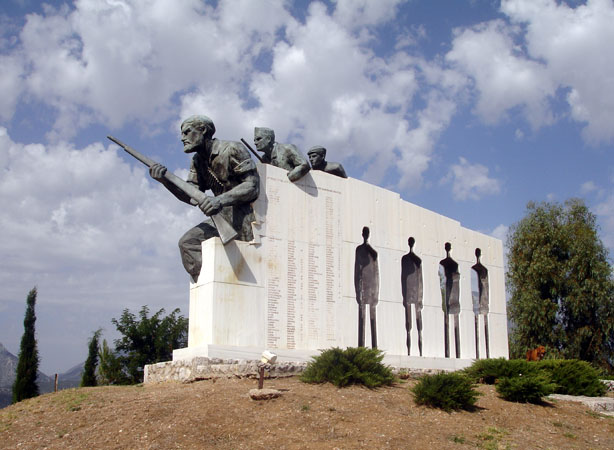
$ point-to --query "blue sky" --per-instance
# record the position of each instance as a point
(467, 108)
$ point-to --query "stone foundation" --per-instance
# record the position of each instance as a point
(201, 368)
(207, 368)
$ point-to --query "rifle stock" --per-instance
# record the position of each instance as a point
(226, 231)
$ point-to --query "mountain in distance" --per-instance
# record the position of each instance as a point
(8, 368)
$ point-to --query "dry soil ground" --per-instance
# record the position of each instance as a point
(208, 414)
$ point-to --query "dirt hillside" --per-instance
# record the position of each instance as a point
(208, 414)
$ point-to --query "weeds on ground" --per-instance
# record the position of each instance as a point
(458, 439)
(447, 391)
(491, 439)
(72, 399)
(354, 365)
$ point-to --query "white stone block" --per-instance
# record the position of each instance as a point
(291, 290)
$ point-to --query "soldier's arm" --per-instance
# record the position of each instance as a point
(157, 172)
(336, 169)
(301, 166)
(244, 169)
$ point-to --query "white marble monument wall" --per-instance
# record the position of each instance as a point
(291, 290)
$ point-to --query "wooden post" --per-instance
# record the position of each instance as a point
(55, 389)
(261, 376)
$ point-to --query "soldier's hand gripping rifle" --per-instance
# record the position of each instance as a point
(226, 231)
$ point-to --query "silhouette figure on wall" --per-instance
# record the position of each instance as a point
(366, 283)
(452, 300)
(483, 301)
(411, 288)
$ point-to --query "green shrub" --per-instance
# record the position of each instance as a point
(573, 377)
(354, 365)
(525, 388)
(488, 371)
(447, 391)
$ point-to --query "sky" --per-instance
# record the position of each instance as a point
(469, 108)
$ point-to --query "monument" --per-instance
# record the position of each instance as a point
(295, 282)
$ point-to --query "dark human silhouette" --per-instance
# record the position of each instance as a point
(452, 300)
(483, 300)
(411, 288)
(366, 283)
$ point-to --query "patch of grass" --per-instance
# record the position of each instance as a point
(570, 435)
(305, 408)
(447, 391)
(599, 415)
(491, 439)
(6, 421)
(71, 399)
(354, 365)
(562, 425)
(458, 439)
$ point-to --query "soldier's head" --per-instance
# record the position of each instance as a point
(264, 138)
(365, 233)
(195, 132)
(317, 156)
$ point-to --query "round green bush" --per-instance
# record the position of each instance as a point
(529, 388)
(574, 377)
(488, 371)
(447, 391)
(354, 365)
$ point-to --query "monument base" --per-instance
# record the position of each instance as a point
(228, 352)
(222, 361)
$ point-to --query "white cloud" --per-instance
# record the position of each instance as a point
(355, 14)
(325, 87)
(83, 219)
(471, 181)
(500, 232)
(504, 77)
(113, 62)
(549, 49)
(575, 44)
(588, 187)
(605, 213)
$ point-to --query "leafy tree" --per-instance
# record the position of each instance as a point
(110, 368)
(560, 281)
(148, 340)
(27, 366)
(89, 370)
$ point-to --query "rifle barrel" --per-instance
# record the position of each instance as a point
(251, 149)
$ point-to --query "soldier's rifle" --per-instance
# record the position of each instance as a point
(226, 231)
(251, 149)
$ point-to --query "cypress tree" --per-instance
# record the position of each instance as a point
(89, 370)
(27, 366)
